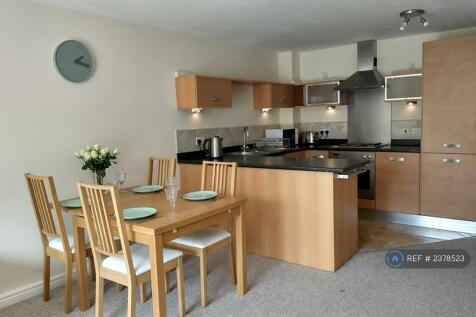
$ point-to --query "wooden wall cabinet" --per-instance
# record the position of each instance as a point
(449, 93)
(299, 96)
(273, 95)
(397, 182)
(448, 186)
(195, 91)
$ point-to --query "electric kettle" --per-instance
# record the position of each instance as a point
(215, 147)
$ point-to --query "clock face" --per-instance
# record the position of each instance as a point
(74, 61)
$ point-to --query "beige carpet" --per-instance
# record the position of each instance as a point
(365, 286)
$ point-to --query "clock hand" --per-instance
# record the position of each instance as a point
(79, 61)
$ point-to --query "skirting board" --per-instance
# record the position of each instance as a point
(28, 291)
(468, 227)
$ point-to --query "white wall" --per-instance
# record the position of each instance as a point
(393, 54)
(129, 103)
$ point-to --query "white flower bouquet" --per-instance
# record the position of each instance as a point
(97, 159)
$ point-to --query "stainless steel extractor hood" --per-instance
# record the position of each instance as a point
(367, 75)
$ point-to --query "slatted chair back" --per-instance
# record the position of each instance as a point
(47, 209)
(219, 177)
(163, 167)
(103, 214)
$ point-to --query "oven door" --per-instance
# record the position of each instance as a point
(366, 183)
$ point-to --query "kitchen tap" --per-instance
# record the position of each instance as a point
(245, 147)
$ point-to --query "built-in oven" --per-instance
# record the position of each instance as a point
(366, 180)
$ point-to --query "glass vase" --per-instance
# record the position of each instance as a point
(98, 177)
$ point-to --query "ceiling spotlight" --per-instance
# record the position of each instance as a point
(404, 24)
(424, 21)
(408, 14)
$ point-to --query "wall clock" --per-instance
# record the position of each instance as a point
(74, 61)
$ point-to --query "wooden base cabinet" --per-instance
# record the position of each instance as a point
(398, 182)
(307, 218)
(448, 185)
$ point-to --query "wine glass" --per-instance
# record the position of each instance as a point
(121, 178)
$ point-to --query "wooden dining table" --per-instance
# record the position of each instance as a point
(167, 224)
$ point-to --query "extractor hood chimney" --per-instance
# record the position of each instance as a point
(367, 75)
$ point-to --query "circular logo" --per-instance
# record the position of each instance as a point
(394, 258)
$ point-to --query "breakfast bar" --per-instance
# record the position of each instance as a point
(299, 210)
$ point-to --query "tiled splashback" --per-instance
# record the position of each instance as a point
(231, 136)
(337, 130)
(234, 135)
(406, 129)
(410, 128)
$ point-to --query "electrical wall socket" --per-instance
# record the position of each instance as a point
(415, 131)
(201, 139)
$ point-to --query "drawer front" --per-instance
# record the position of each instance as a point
(282, 96)
(398, 182)
(448, 186)
(213, 93)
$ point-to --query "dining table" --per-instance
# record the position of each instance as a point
(166, 225)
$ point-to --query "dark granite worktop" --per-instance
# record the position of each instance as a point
(408, 146)
(278, 161)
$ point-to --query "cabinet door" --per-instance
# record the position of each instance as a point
(213, 92)
(449, 93)
(298, 95)
(316, 153)
(448, 186)
(282, 96)
(397, 182)
(318, 94)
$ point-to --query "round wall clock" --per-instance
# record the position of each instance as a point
(74, 61)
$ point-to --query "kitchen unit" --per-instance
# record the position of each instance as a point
(324, 93)
(397, 182)
(403, 87)
(268, 95)
(194, 91)
(299, 210)
(448, 177)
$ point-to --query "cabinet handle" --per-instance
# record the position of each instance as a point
(452, 146)
(215, 99)
(397, 159)
(451, 161)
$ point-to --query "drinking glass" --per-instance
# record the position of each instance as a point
(171, 190)
(171, 193)
(120, 178)
(171, 182)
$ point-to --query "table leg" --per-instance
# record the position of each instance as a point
(81, 268)
(241, 273)
(157, 277)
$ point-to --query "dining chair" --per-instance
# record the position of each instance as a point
(128, 265)
(221, 178)
(53, 234)
(163, 167)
